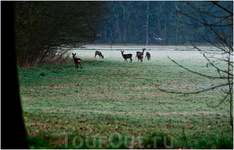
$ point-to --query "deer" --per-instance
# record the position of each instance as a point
(127, 56)
(147, 55)
(137, 53)
(99, 54)
(77, 61)
(140, 55)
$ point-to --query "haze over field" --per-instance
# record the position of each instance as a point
(157, 52)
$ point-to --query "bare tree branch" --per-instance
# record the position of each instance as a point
(217, 68)
(196, 92)
(216, 3)
(203, 75)
(223, 100)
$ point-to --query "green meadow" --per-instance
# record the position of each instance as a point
(114, 104)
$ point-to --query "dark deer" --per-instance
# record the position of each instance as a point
(137, 53)
(127, 56)
(147, 55)
(140, 55)
(99, 54)
(77, 61)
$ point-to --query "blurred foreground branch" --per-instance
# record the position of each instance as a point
(221, 26)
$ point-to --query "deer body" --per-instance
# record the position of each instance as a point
(127, 56)
(137, 53)
(140, 55)
(99, 54)
(77, 61)
(147, 55)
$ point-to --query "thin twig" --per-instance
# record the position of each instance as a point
(212, 63)
(219, 102)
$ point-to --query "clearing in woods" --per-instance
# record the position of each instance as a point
(110, 97)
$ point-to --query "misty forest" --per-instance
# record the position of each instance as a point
(125, 74)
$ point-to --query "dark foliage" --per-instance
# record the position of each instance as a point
(47, 28)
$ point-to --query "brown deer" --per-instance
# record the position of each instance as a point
(140, 55)
(99, 54)
(137, 53)
(77, 61)
(127, 56)
(147, 55)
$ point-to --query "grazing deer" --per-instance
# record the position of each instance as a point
(99, 54)
(147, 55)
(127, 56)
(140, 55)
(77, 61)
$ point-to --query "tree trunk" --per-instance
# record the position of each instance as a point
(113, 36)
(44, 55)
(165, 33)
(160, 29)
(12, 121)
(230, 89)
(118, 25)
(176, 32)
(147, 25)
(125, 27)
(139, 27)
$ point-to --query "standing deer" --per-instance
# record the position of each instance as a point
(99, 54)
(140, 55)
(77, 61)
(137, 53)
(147, 55)
(127, 56)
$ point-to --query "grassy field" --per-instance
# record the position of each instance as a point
(119, 104)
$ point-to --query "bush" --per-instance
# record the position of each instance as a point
(37, 142)
(42, 74)
(158, 140)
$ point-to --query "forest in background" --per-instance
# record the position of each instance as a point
(155, 22)
(49, 29)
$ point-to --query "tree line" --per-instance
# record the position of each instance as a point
(154, 22)
(48, 29)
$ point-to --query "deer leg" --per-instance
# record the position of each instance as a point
(80, 66)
